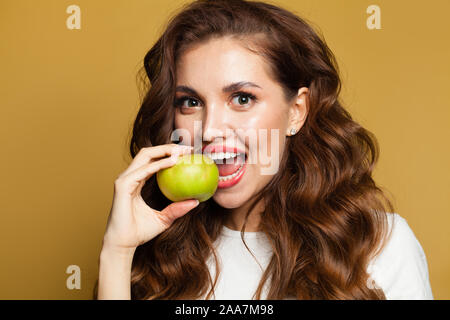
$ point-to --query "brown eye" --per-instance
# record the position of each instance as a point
(244, 99)
(193, 104)
(180, 102)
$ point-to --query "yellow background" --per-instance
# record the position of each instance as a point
(68, 99)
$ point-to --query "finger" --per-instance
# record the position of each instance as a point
(130, 182)
(145, 155)
(174, 157)
(176, 210)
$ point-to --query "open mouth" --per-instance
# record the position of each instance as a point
(231, 164)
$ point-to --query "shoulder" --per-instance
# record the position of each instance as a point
(401, 268)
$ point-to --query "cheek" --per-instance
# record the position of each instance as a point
(268, 116)
(178, 120)
(270, 133)
(276, 127)
(184, 128)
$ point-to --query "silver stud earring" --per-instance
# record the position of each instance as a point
(293, 131)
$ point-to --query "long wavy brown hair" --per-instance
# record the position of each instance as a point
(324, 215)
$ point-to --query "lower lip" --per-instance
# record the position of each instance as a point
(231, 182)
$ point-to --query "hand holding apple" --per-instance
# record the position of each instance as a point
(131, 221)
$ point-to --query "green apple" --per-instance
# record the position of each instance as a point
(194, 176)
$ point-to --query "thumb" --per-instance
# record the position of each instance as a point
(178, 209)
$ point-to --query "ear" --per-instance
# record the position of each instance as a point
(298, 111)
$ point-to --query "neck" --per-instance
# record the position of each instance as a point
(237, 217)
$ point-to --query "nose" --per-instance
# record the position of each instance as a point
(215, 122)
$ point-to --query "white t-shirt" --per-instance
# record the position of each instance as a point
(401, 269)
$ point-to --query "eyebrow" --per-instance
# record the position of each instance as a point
(229, 88)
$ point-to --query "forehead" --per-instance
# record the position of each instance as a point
(220, 61)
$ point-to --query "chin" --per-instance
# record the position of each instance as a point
(229, 200)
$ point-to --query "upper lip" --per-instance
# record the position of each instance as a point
(220, 148)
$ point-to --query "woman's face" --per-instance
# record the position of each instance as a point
(255, 118)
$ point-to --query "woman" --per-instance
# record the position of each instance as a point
(317, 227)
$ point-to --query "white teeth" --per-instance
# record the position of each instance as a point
(231, 176)
(222, 155)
